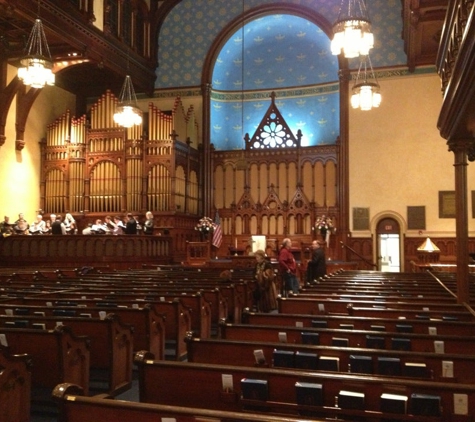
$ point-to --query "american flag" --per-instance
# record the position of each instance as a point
(218, 233)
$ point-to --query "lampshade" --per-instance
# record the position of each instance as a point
(127, 113)
(352, 34)
(428, 246)
(365, 90)
(36, 66)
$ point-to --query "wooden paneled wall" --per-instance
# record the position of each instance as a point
(274, 193)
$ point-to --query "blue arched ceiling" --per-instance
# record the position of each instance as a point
(192, 26)
(275, 51)
(285, 53)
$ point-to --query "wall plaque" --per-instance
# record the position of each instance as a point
(447, 204)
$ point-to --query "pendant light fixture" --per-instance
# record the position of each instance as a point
(36, 68)
(127, 112)
(352, 34)
(366, 89)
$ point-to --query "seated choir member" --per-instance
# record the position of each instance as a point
(119, 226)
(38, 226)
(70, 224)
(6, 228)
(57, 226)
(47, 229)
(149, 223)
(130, 224)
(21, 227)
(99, 227)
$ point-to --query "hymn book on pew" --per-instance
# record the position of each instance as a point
(283, 358)
(310, 338)
(393, 403)
(425, 405)
(305, 360)
(415, 369)
(309, 394)
(351, 400)
(329, 363)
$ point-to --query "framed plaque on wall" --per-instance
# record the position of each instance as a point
(447, 204)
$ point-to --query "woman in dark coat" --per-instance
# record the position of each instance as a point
(265, 293)
(317, 266)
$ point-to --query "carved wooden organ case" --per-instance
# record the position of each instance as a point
(93, 167)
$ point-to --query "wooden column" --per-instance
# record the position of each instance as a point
(343, 197)
(206, 191)
(460, 149)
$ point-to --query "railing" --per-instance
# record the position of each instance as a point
(78, 250)
(371, 264)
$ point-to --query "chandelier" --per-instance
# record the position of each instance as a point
(352, 30)
(36, 68)
(366, 93)
(127, 112)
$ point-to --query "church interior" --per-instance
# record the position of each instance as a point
(218, 129)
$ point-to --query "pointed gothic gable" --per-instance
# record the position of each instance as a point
(272, 202)
(273, 131)
(246, 202)
(300, 201)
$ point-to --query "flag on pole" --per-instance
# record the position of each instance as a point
(218, 233)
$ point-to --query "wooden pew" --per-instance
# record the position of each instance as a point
(176, 316)
(75, 407)
(307, 305)
(57, 355)
(422, 326)
(450, 368)
(149, 327)
(201, 385)
(111, 345)
(354, 338)
(15, 387)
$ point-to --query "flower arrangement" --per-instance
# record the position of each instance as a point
(324, 224)
(205, 225)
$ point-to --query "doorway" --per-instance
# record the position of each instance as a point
(389, 246)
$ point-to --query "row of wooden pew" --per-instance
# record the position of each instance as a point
(269, 365)
(426, 375)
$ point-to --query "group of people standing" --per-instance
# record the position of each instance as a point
(56, 225)
(265, 292)
(117, 226)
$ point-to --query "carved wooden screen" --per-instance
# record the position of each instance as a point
(275, 187)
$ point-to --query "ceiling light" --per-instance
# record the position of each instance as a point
(352, 30)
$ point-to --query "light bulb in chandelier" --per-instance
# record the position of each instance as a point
(127, 113)
(36, 68)
(352, 30)
(366, 91)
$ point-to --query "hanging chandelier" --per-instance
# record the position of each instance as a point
(127, 112)
(366, 93)
(352, 30)
(36, 68)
